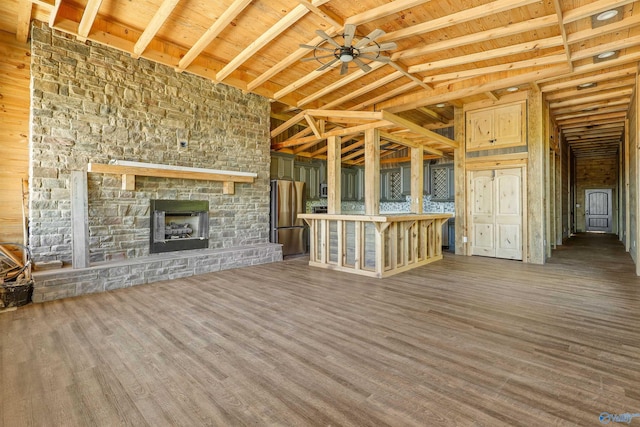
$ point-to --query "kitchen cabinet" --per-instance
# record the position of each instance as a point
(352, 184)
(496, 127)
(442, 188)
(282, 166)
(309, 173)
(405, 169)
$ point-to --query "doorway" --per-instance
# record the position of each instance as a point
(496, 213)
(598, 210)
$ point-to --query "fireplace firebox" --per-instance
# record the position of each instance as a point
(178, 225)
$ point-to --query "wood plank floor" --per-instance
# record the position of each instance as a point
(463, 341)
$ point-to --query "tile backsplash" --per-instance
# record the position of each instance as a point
(389, 207)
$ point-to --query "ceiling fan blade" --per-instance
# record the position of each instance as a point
(328, 64)
(371, 37)
(349, 32)
(384, 46)
(384, 59)
(308, 46)
(328, 39)
(344, 68)
(364, 67)
(313, 58)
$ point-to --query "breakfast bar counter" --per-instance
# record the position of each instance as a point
(374, 245)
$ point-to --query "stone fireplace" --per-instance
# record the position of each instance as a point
(92, 104)
(178, 225)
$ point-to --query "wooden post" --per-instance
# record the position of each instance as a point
(334, 184)
(417, 179)
(460, 180)
(536, 190)
(627, 201)
(79, 219)
(372, 172)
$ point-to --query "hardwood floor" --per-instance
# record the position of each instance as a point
(463, 341)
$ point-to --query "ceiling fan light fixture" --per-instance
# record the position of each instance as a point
(608, 14)
(587, 85)
(607, 54)
(346, 57)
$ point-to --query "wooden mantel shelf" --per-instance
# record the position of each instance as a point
(129, 171)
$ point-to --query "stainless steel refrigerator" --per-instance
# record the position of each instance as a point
(287, 201)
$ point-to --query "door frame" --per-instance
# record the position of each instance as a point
(494, 165)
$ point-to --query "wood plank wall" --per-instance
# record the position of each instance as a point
(632, 208)
(14, 134)
(595, 173)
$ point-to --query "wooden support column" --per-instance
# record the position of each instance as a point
(417, 179)
(460, 181)
(627, 200)
(536, 190)
(372, 172)
(79, 219)
(334, 184)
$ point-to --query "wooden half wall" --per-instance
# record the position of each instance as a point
(14, 135)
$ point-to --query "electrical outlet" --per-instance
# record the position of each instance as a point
(182, 135)
(464, 239)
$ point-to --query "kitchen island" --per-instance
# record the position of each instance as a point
(374, 245)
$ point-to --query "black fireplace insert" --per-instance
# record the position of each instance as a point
(178, 225)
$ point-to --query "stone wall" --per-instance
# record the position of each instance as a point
(91, 103)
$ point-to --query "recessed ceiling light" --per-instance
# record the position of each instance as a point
(607, 15)
(512, 89)
(442, 104)
(587, 85)
(608, 54)
(589, 109)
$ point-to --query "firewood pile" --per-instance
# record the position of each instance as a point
(16, 283)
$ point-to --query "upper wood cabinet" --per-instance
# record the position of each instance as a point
(496, 127)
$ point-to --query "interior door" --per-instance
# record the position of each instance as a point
(496, 213)
(598, 210)
(508, 190)
(482, 213)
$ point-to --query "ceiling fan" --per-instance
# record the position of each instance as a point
(347, 52)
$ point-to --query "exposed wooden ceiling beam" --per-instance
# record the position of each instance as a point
(24, 20)
(384, 96)
(519, 65)
(212, 32)
(88, 17)
(507, 30)
(553, 85)
(384, 10)
(625, 43)
(365, 89)
(413, 127)
(409, 143)
(601, 96)
(563, 33)
(434, 115)
(318, 12)
(349, 78)
(605, 29)
(278, 28)
(582, 107)
(446, 94)
(593, 8)
(489, 54)
(154, 25)
(456, 18)
(599, 112)
(575, 92)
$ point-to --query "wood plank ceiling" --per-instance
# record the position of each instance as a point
(448, 53)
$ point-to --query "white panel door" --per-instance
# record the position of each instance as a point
(508, 188)
(496, 213)
(482, 214)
